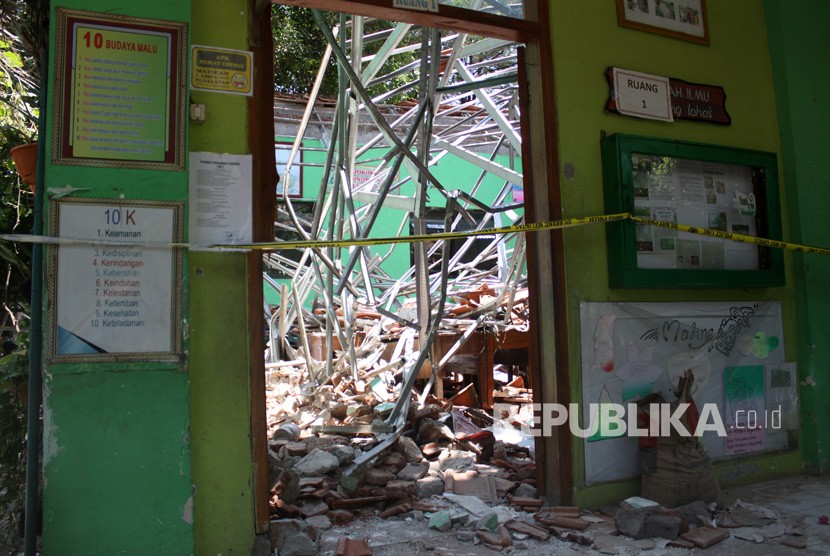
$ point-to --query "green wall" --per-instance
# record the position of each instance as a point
(800, 52)
(219, 348)
(587, 42)
(155, 458)
(116, 454)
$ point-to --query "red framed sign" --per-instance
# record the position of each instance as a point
(121, 91)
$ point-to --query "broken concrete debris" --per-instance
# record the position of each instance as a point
(337, 460)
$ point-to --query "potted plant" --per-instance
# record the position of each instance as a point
(25, 159)
(22, 47)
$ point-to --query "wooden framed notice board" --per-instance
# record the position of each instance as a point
(709, 187)
(120, 91)
(116, 285)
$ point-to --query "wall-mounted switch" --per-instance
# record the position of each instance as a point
(197, 112)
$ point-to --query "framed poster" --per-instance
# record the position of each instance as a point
(121, 91)
(680, 19)
(717, 190)
(117, 290)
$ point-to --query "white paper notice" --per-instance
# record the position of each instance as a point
(220, 198)
(116, 299)
(642, 95)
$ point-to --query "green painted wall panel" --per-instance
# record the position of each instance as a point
(117, 463)
(117, 467)
(219, 347)
(585, 44)
(221, 404)
(800, 52)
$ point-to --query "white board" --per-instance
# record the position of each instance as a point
(632, 349)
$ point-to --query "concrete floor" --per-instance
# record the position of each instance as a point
(798, 501)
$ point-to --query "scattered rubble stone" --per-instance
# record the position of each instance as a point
(298, 544)
(317, 462)
(693, 511)
(631, 519)
(413, 471)
(313, 508)
(525, 490)
(456, 460)
(286, 431)
(428, 487)
(465, 536)
(499, 538)
(394, 461)
(279, 529)
(489, 522)
(375, 476)
(705, 536)
(459, 518)
(344, 454)
(440, 521)
(569, 523)
(341, 517)
(681, 543)
(529, 529)
(319, 522)
(663, 525)
(407, 447)
(347, 546)
(400, 489)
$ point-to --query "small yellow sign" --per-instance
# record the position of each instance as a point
(221, 70)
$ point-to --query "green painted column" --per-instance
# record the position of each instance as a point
(800, 51)
(219, 347)
(116, 441)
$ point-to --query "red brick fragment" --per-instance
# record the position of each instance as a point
(704, 537)
(353, 547)
(341, 517)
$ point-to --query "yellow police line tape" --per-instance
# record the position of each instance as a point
(732, 236)
(535, 227)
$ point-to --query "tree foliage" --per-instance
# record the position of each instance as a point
(23, 32)
(299, 46)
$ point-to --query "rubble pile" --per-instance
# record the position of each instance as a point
(446, 474)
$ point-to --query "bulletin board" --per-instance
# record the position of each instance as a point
(120, 91)
(704, 186)
(734, 349)
(116, 285)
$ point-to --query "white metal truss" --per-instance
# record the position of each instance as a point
(461, 96)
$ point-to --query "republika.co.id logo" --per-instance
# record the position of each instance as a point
(613, 419)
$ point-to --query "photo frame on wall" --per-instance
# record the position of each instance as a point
(679, 19)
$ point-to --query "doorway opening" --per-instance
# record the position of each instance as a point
(385, 337)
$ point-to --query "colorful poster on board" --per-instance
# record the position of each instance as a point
(119, 96)
(745, 404)
(635, 351)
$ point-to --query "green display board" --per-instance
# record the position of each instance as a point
(711, 188)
